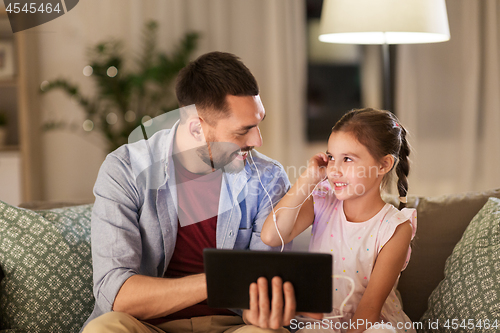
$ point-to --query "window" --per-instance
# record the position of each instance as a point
(334, 84)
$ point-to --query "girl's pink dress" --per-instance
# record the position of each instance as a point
(355, 247)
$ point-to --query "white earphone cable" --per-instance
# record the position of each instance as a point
(283, 242)
(272, 207)
(270, 201)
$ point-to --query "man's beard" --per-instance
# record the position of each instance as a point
(224, 155)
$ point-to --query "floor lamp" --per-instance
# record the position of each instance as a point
(384, 22)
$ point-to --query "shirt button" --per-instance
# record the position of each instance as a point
(230, 233)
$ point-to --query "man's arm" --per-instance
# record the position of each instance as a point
(145, 297)
(263, 312)
(120, 283)
(276, 183)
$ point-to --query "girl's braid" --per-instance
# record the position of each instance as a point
(403, 167)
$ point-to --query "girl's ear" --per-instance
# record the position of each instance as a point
(386, 164)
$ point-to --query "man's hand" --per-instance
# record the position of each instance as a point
(266, 315)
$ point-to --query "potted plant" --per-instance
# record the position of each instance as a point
(3, 128)
(126, 98)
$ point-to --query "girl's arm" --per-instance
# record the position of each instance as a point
(291, 222)
(387, 268)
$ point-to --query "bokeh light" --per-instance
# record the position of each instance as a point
(130, 116)
(44, 85)
(88, 70)
(147, 121)
(111, 118)
(112, 71)
(88, 125)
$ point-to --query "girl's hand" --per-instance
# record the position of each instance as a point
(316, 168)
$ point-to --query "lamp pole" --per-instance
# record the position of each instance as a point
(388, 103)
(384, 22)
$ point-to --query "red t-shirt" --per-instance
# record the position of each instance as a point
(198, 203)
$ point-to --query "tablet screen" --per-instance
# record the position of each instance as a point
(230, 273)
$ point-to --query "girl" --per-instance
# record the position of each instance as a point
(369, 239)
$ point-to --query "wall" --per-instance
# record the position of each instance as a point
(268, 36)
(447, 97)
(71, 159)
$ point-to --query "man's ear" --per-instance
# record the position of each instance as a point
(386, 164)
(194, 125)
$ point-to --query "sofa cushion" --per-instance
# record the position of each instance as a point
(441, 223)
(46, 262)
(470, 291)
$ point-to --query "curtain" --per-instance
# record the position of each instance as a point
(269, 37)
(448, 97)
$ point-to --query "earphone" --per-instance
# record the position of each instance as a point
(283, 242)
(271, 201)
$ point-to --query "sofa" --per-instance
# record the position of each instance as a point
(46, 265)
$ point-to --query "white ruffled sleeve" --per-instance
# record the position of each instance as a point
(390, 224)
(321, 197)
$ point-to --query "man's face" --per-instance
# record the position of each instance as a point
(231, 138)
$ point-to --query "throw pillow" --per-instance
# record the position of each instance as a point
(468, 299)
(46, 261)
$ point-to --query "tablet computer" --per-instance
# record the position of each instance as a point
(230, 272)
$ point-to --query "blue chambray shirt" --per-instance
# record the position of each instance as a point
(134, 219)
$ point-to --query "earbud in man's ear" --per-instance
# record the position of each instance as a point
(196, 130)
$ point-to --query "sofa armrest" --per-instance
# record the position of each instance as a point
(44, 205)
(441, 223)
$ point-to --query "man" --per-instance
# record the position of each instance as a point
(160, 201)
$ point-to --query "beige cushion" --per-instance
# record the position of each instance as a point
(467, 299)
(441, 223)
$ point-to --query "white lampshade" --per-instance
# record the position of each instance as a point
(384, 21)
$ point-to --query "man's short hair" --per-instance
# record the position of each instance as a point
(207, 81)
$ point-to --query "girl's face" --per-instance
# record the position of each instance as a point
(352, 171)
